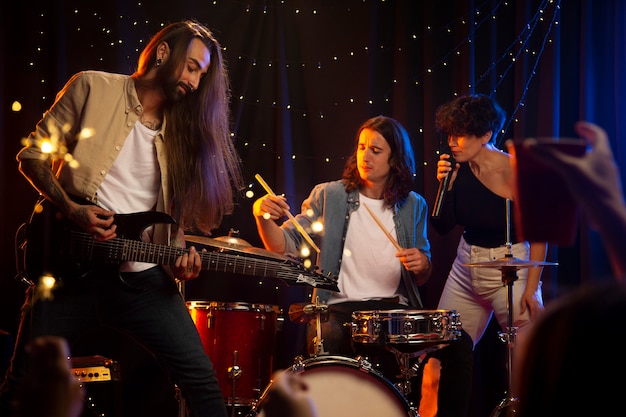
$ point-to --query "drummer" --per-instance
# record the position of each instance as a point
(374, 235)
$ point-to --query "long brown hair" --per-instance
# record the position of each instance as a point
(401, 160)
(204, 169)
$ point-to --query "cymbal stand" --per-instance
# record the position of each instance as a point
(509, 276)
(509, 266)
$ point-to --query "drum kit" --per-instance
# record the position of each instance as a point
(342, 386)
(240, 339)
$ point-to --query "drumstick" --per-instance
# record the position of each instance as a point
(289, 215)
(382, 227)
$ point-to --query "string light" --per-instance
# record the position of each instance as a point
(111, 34)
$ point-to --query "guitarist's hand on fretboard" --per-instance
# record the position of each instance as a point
(189, 265)
(94, 220)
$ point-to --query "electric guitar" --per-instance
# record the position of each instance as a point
(56, 246)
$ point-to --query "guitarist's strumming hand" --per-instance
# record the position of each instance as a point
(188, 265)
(95, 220)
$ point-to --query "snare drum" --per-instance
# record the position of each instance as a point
(240, 339)
(343, 387)
(407, 330)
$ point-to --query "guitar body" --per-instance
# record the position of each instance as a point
(56, 246)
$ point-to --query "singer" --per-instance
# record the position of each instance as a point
(479, 185)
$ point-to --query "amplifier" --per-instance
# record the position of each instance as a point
(101, 380)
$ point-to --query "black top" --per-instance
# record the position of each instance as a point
(481, 212)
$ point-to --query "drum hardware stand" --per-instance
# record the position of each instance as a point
(509, 267)
(508, 405)
(234, 372)
(302, 313)
(319, 342)
(408, 371)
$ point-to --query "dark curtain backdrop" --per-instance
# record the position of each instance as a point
(306, 74)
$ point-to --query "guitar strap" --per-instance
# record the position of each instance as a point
(20, 242)
(20, 256)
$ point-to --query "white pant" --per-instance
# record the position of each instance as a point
(477, 293)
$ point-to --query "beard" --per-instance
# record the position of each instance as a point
(174, 90)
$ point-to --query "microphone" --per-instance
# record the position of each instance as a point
(442, 191)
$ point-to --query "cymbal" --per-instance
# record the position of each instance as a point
(235, 244)
(510, 262)
(220, 242)
(266, 253)
(226, 242)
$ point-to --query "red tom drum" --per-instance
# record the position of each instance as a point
(240, 339)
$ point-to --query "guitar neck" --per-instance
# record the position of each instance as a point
(75, 252)
(119, 249)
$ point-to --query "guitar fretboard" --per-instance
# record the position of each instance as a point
(118, 249)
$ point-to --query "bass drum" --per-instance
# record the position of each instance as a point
(343, 387)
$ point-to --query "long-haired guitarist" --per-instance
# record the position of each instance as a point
(142, 156)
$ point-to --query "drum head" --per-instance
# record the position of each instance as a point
(343, 387)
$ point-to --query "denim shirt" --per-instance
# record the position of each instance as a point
(330, 203)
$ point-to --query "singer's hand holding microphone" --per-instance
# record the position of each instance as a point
(446, 173)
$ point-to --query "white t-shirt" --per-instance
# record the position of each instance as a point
(369, 268)
(132, 184)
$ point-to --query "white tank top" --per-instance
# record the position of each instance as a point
(369, 268)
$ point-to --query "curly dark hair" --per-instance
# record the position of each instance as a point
(470, 115)
(401, 160)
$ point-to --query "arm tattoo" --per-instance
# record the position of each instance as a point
(43, 180)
